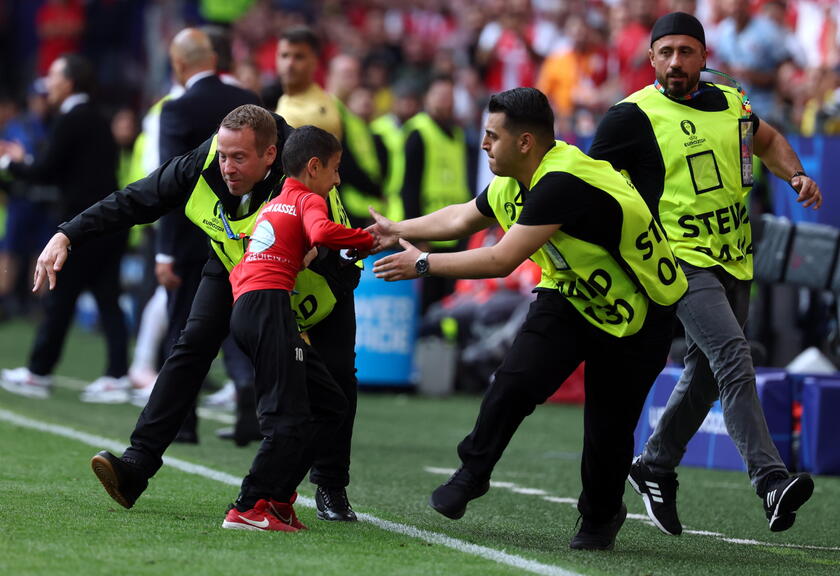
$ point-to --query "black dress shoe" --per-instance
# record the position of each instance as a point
(333, 505)
(599, 536)
(123, 481)
(451, 497)
(188, 434)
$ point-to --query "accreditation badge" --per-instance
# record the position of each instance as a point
(745, 131)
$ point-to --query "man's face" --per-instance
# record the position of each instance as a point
(58, 85)
(501, 145)
(677, 60)
(296, 65)
(242, 166)
(326, 176)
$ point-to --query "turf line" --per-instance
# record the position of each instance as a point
(517, 489)
(498, 556)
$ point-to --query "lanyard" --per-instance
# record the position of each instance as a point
(745, 100)
(228, 230)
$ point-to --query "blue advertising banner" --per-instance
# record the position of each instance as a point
(386, 328)
(711, 446)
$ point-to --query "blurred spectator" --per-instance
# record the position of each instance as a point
(360, 170)
(818, 31)
(821, 114)
(248, 76)
(124, 127)
(60, 24)
(389, 140)
(80, 157)
(751, 49)
(573, 77)
(303, 101)
(505, 48)
(436, 174)
(31, 215)
(632, 43)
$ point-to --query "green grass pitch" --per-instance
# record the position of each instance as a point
(55, 519)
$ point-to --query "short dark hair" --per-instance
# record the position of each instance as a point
(305, 143)
(257, 119)
(302, 35)
(79, 71)
(525, 110)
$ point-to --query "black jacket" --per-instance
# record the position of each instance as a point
(186, 122)
(167, 189)
(79, 157)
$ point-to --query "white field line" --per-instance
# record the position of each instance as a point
(517, 489)
(498, 556)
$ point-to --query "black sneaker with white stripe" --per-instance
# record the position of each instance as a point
(659, 492)
(783, 499)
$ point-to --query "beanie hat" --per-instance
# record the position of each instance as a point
(678, 23)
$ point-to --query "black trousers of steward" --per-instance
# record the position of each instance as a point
(619, 372)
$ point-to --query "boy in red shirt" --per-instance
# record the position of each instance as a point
(299, 405)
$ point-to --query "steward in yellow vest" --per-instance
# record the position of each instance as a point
(688, 146)
(387, 129)
(606, 297)
(361, 173)
(244, 171)
(435, 168)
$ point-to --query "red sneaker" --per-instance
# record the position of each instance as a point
(260, 517)
(286, 514)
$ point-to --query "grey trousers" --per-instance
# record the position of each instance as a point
(717, 364)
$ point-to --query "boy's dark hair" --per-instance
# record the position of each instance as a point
(525, 110)
(79, 71)
(302, 35)
(257, 119)
(308, 142)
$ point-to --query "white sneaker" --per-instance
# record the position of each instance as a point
(107, 390)
(224, 398)
(23, 382)
(142, 377)
(140, 396)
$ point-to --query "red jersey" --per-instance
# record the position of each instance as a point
(285, 230)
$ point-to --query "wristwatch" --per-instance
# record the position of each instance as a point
(421, 265)
(795, 174)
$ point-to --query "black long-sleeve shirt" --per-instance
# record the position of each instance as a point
(164, 190)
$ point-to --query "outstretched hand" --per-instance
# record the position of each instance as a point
(399, 266)
(808, 190)
(382, 230)
(51, 261)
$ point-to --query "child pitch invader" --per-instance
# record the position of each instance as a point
(299, 405)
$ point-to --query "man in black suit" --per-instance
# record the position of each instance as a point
(80, 158)
(185, 123)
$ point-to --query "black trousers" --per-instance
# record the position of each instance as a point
(299, 404)
(335, 340)
(178, 305)
(553, 341)
(179, 381)
(94, 266)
